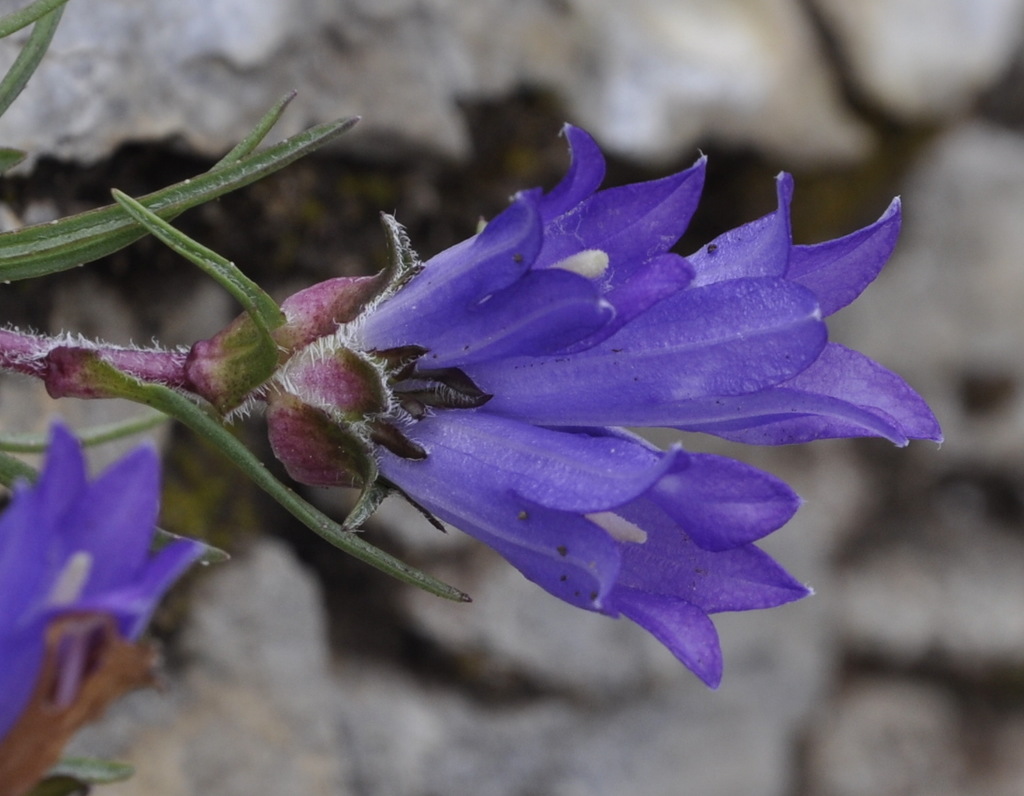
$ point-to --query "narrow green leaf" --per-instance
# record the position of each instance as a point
(210, 554)
(203, 422)
(12, 469)
(29, 57)
(91, 770)
(252, 297)
(403, 261)
(92, 435)
(24, 17)
(9, 158)
(259, 132)
(48, 248)
(60, 785)
(370, 498)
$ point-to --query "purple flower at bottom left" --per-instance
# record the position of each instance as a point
(71, 548)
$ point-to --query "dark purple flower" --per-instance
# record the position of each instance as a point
(74, 548)
(511, 359)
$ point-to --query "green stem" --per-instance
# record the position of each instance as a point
(204, 423)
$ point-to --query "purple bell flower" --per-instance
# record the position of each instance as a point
(71, 548)
(509, 361)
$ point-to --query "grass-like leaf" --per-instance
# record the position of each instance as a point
(93, 435)
(24, 17)
(92, 771)
(9, 158)
(251, 296)
(259, 132)
(209, 554)
(29, 57)
(13, 469)
(49, 248)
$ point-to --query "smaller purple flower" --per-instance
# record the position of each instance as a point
(70, 547)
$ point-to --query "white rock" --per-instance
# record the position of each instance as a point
(408, 739)
(948, 305)
(667, 73)
(651, 81)
(923, 59)
(884, 738)
(252, 715)
(950, 592)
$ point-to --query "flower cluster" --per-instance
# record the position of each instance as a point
(489, 385)
(76, 575)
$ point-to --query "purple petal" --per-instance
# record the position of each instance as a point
(26, 562)
(458, 278)
(466, 481)
(561, 552)
(70, 546)
(116, 519)
(723, 503)
(631, 224)
(843, 394)
(760, 248)
(727, 338)
(839, 270)
(63, 477)
(541, 313)
(569, 471)
(670, 563)
(660, 277)
(685, 629)
(586, 172)
(133, 602)
(22, 655)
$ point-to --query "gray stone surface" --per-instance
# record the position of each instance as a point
(650, 82)
(898, 677)
(952, 295)
(922, 59)
(258, 678)
(889, 739)
(252, 713)
(951, 592)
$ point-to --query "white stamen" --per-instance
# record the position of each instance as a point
(590, 263)
(618, 527)
(72, 579)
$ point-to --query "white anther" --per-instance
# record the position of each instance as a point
(72, 579)
(618, 527)
(590, 263)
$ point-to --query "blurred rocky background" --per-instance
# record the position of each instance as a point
(294, 670)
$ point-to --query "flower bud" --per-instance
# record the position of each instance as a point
(238, 359)
(341, 381)
(315, 448)
(232, 363)
(316, 311)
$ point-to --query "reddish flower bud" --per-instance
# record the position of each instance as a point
(231, 364)
(314, 448)
(316, 311)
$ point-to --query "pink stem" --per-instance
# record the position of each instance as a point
(30, 354)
